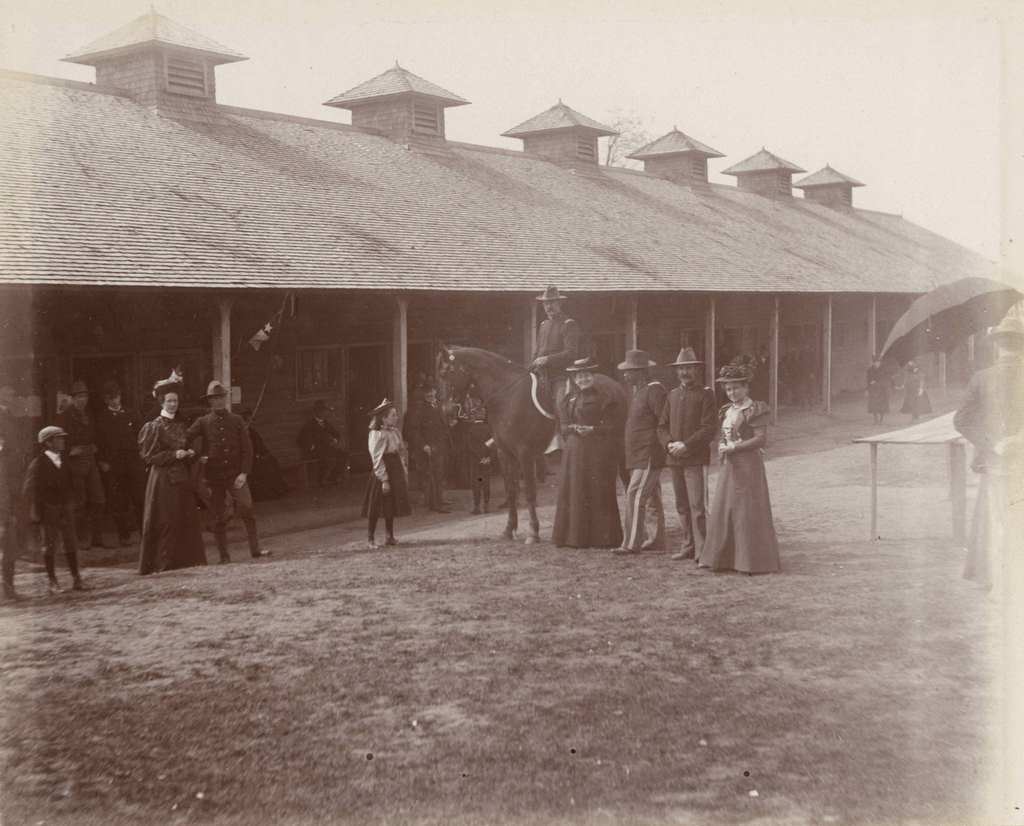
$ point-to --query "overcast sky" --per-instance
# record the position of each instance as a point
(905, 99)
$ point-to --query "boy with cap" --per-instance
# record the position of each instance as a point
(225, 451)
(49, 489)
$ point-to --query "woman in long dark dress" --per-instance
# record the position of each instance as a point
(915, 396)
(878, 390)
(741, 533)
(171, 536)
(387, 493)
(587, 515)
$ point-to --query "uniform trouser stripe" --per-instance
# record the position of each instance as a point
(637, 509)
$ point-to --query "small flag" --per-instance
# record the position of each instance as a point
(261, 335)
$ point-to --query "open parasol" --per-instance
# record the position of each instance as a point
(941, 319)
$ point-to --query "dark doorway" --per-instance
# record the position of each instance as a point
(367, 385)
(96, 371)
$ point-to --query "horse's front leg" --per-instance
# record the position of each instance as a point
(528, 459)
(511, 473)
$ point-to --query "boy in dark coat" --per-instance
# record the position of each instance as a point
(51, 495)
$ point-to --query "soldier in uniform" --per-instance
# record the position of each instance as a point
(222, 442)
(689, 421)
(645, 457)
(90, 498)
(124, 475)
(558, 344)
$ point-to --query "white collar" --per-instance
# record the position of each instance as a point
(167, 415)
(744, 405)
(53, 456)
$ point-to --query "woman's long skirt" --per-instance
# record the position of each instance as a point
(587, 515)
(395, 503)
(171, 535)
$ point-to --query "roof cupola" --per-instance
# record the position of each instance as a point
(829, 187)
(677, 157)
(561, 134)
(766, 174)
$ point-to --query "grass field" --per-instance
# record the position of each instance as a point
(460, 679)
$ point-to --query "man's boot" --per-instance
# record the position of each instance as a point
(221, 537)
(76, 576)
(254, 540)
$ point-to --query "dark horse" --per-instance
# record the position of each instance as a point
(521, 431)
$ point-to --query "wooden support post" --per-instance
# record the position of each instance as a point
(773, 360)
(826, 373)
(530, 332)
(874, 491)
(222, 345)
(633, 322)
(873, 328)
(400, 354)
(958, 490)
(710, 371)
(942, 369)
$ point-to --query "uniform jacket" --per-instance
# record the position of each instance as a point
(559, 340)
(689, 416)
(81, 430)
(993, 409)
(47, 488)
(426, 425)
(117, 435)
(316, 437)
(223, 438)
(642, 445)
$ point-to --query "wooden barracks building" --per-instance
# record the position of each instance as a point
(144, 224)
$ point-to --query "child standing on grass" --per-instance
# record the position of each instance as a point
(387, 493)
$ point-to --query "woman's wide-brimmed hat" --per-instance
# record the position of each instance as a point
(385, 405)
(165, 386)
(734, 372)
(637, 360)
(551, 294)
(582, 364)
(1011, 326)
(686, 356)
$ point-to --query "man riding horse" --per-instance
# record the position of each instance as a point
(558, 344)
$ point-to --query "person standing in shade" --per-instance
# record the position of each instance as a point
(686, 428)
(645, 457)
(480, 447)
(117, 453)
(741, 532)
(387, 493)
(430, 442)
(8, 545)
(266, 481)
(878, 390)
(320, 441)
(171, 537)
(915, 396)
(225, 452)
(90, 497)
(50, 490)
(587, 514)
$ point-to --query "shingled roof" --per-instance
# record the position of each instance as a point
(826, 176)
(763, 161)
(96, 190)
(152, 29)
(675, 143)
(559, 116)
(395, 81)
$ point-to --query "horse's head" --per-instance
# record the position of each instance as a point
(453, 370)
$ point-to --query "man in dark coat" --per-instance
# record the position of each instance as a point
(688, 423)
(645, 457)
(481, 449)
(558, 344)
(90, 497)
(49, 489)
(319, 440)
(430, 442)
(221, 440)
(117, 453)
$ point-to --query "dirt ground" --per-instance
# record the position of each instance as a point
(464, 679)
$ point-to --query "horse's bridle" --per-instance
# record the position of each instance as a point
(449, 365)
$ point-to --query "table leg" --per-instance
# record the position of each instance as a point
(958, 490)
(874, 491)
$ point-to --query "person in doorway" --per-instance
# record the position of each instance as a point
(171, 537)
(117, 453)
(760, 385)
(741, 532)
(878, 382)
(90, 497)
(387, 492)
(430, 444)
(320, 441)
(50, 490)
(266, 480)
(221, 440)
(645, 457)
(587, 514)
(686, 428)
(481, 450)
(915, 396)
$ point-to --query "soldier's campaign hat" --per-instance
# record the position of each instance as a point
(79, 387)
(49, 432)
(686, 356)
(582, 364)
(215, 388)
(1009, 326)
(637, 360)
(383, 407)
(734, 372)
(551, 294)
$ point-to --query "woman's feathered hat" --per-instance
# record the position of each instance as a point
(735, 372)
(172, 384)
(382, 408)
